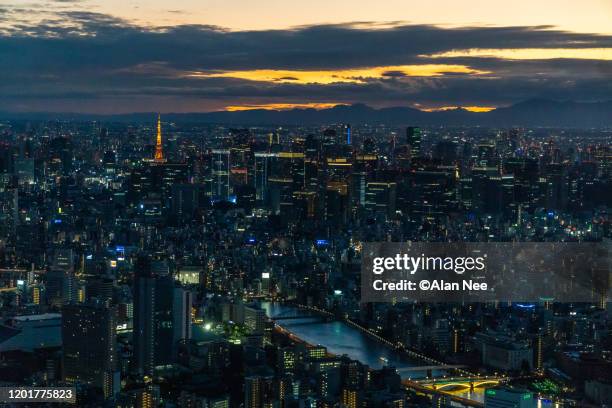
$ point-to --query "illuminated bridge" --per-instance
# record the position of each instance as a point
(455, 383)
(445, 386)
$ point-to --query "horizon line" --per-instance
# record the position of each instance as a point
(476, 109)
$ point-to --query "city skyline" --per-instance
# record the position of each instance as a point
(106, 57)
(322, 204)
(175, 263)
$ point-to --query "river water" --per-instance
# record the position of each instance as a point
(340, 338)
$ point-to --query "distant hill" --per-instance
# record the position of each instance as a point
(533, 112)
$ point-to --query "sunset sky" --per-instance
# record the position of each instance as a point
(112, 56)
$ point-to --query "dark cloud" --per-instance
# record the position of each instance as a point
(395, 74)
(74, 56)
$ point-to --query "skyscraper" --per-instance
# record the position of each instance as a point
(254, 319)
(144, 306)
(414, 138)
(162, 317)
(258, 391)
(380, 197)
(347, 131)
(89, 350)
(60, 287)
(219, 178)
(262, 168)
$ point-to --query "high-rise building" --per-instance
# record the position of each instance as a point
(262, 169)
(162, 318)
(380, 197)
(100, 287)
(181, 316)
(63, 259)
(254, 319)
(351, 398)
(347, 132)
(414, 138)
(286, 360)
(164, 347)
(144, 324)
(185, 200)
(89, 349)
(312, 163)
(218, 179)
(363, 168)
(258, 391)
(286, 177)
(60, 287)
(156, 179)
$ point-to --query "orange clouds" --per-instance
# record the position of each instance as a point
(530, 53)
(353, 75)
(281, 106)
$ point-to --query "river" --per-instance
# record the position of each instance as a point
(340, 338)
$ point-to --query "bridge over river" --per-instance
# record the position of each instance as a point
(318, 327)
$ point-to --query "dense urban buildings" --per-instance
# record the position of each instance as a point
(179, 264)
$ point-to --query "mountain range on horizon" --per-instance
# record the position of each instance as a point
(533, 112)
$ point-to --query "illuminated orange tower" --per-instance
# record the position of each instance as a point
(159, 149)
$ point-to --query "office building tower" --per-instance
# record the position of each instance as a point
(185, 200)
(347, 133)
(181, 316)
(219, 176)
(258, 391)
(60, 287)
(144, 324)
(254, 319)
(162, 317)
(262, 167)
(89, 349)
(365, 164)
(351, 398)
(380, 197)
(414, 139)
(286, 177)
(287, 359)
(63, 259)
(100, 287)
